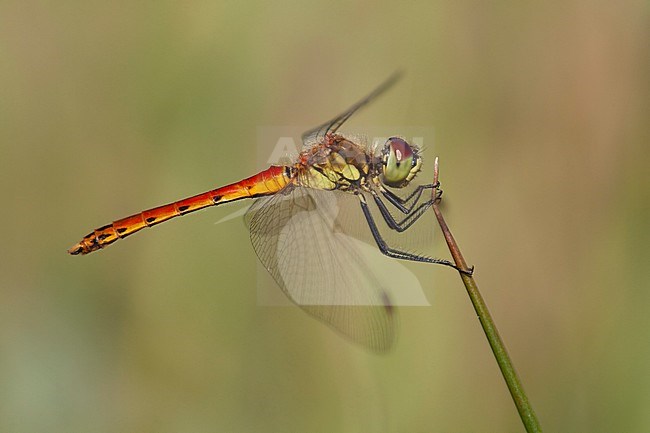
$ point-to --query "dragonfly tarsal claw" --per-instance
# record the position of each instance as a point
(469, 272)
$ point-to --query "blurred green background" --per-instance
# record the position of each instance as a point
(541, 119)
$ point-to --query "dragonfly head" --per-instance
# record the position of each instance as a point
(400, 162)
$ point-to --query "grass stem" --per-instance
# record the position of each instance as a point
(498, 348)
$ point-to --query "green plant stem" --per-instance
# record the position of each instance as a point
(498, 348)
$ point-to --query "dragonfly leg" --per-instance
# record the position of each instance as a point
(412, 215)
(391, 252)
(401, 203)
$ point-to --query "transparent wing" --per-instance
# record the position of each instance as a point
(298, 238)
(317, 134)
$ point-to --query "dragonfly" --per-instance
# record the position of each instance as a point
(306, 215)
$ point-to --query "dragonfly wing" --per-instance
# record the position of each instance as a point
(319, 267)
(317, 134)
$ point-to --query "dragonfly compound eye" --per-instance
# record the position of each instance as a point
(400, 162)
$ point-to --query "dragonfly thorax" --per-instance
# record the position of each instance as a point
(335, 164)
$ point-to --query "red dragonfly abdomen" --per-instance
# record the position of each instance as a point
(264, 183)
